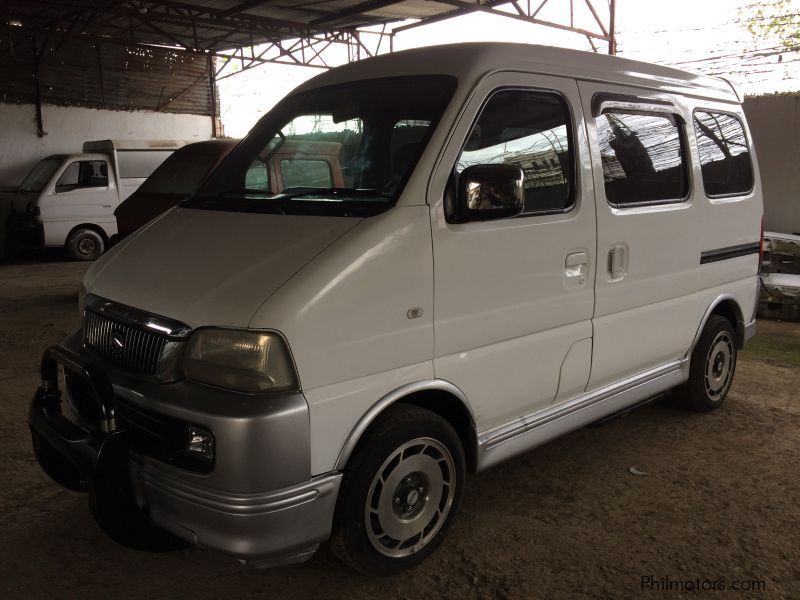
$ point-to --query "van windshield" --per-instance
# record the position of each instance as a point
(342, 150)
(38, 177)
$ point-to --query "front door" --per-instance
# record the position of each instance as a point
(513, 297)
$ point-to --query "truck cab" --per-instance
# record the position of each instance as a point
(68, 200)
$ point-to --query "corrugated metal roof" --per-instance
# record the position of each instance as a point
(176, 37)
(107, 76)
(153, 54)
(213, 24)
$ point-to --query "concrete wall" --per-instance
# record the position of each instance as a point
(68, 127)
(775, 127)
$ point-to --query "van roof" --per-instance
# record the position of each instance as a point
(108, 145)
(470, 61)
(76, 156)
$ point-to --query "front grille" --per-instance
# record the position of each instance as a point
(121, 344)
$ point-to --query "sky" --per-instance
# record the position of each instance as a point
(708, 36)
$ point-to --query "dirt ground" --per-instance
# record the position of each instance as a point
(568, 520)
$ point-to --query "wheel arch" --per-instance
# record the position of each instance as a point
(438, 396)
(94, 227)
(726, 306)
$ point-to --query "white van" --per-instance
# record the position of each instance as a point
(527, 240)
(68, 200)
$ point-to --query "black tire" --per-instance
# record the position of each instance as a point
(397, 437)
(85, 244)
(711, 368)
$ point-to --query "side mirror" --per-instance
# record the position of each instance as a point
(488, 192)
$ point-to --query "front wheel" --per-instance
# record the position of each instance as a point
(400, 491)
(712, 366)
(85, 244)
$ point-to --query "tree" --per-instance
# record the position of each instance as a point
(772, 19)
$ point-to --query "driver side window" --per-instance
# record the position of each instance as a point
(83, 174)
(530, 129)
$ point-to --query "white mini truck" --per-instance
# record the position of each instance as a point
(68, 200)
(526, 240)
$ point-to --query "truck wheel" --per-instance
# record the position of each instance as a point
(85, 244)
(400, 491)
(712, 366)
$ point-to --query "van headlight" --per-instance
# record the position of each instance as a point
(244, 361)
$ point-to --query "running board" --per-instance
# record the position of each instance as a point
(626, 411)
(525, 433)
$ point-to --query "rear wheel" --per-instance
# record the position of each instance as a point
(85, 244)
(400, 491)
(712, 366)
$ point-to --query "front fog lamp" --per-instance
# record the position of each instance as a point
(244, 361)
(199, 442)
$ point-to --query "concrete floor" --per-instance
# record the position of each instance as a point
(567, 520)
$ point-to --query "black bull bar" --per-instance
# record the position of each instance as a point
(88, 458)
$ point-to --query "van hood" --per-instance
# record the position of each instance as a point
(205, 267)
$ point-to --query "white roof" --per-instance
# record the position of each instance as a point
(107, 145)
(470, 61)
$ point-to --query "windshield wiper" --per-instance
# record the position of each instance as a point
(339, 192)
(235, 193)
(260, 201)
(243, 192)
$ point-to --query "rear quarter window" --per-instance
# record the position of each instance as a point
(724, 154)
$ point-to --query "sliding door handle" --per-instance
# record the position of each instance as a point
(617, 262)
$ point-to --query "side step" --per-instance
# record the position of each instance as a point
(625, 411)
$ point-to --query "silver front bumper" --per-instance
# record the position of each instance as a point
(258, 502)
(269, 528)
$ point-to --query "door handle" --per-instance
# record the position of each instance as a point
(575, 266)
(617, 262)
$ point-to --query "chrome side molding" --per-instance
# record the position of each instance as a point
(529, 431)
